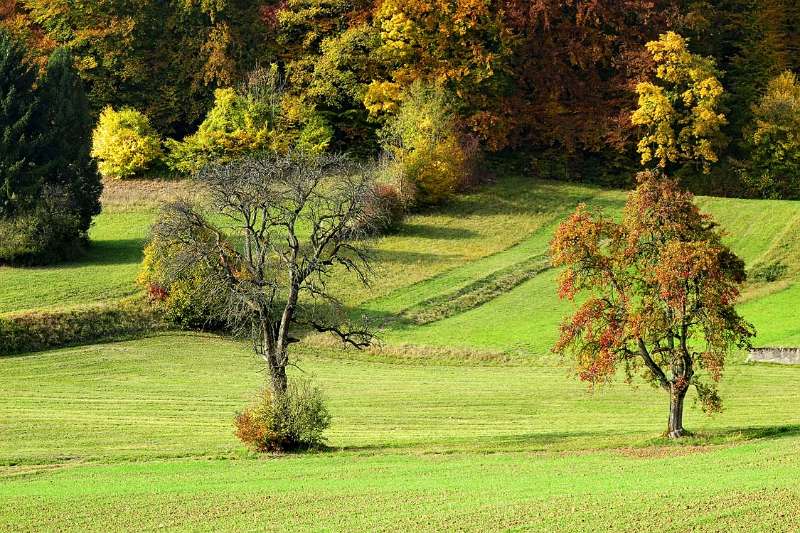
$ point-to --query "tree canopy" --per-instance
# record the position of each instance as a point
(657, 293)
(526, 76)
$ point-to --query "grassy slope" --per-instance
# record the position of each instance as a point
(438, 253)
(524, 319)
(107, 272)
(471, 227)
(431, 446)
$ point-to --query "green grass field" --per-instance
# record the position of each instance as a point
(140, 433)
(463, 421)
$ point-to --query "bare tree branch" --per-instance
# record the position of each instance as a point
(292, 223)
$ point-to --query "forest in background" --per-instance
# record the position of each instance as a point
(547, 84)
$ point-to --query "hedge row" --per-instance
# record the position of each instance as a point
(42, 330)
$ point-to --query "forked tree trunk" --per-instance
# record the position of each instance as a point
(675, 424)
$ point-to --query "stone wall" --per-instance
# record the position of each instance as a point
(786, 356)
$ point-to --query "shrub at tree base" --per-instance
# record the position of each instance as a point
(124, 143)
(293, 420)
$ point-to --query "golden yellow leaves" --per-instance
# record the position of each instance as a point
(680, 115)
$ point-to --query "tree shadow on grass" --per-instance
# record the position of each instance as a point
(100, 253)
(536, 197)
(532, 442)
(116, 252)
(409, 257)
(763, 432)
(729, 436)
(430, 231)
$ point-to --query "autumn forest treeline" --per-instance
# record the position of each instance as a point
(547, 84)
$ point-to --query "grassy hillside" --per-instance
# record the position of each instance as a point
(473, 427)
(524, 317)
(469, 446)
(471, 274)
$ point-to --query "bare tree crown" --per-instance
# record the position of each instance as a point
(283, 226)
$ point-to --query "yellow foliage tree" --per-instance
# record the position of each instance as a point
(680, 113)
(425, 145)
(124, 143)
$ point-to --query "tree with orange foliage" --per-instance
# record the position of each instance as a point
(660, 289)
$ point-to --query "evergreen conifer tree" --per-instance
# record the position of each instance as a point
(17, 106)
(64, 140)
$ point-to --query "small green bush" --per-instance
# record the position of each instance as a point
(51, 232)
(43, 330)
(294, 420)
(767, 273)
(124, 143)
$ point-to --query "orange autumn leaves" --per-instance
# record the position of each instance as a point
(660, 283)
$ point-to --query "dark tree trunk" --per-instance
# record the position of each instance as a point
(278, 377)
(675, 424)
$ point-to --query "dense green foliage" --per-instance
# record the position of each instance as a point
(184, 301)
(17, 130)
(50, 186)
(63, 154)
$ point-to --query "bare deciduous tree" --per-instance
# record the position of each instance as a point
(284, 226)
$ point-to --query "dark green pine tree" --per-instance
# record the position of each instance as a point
(64, 140)
(17, 106)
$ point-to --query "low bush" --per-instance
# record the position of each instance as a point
(768, 273)
(294, 420)
(124, 143)
(43, 330)
(51, 232)
(180, 297)
(389, 209)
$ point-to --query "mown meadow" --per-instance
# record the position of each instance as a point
(460, 418)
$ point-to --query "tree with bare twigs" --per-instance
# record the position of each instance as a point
(660, 291)
(273, 231)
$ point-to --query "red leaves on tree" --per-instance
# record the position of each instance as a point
(661, 287)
